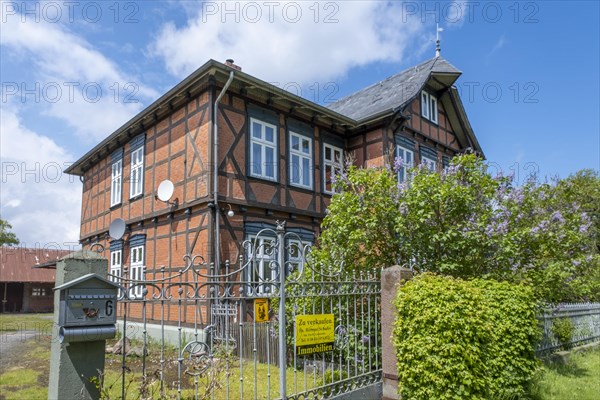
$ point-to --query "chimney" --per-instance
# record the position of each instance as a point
(229, 63)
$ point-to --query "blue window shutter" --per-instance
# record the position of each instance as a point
(116, 155)
(116, 245)
(137, 240)
(445, 161)
(405, 142)
(427, 152)
(137, 142)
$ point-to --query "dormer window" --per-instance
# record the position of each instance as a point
(429, 108)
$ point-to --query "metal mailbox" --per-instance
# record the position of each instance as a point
(88, 309)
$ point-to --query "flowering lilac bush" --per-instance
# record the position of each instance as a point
(465, 223)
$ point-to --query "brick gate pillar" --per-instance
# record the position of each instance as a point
(391, 279)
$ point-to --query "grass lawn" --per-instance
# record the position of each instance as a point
(579, 380)
(25, 366)
(25, 322)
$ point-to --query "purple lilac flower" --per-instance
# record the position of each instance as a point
(402, 186)
(511, 175)
(502, 227)
(585, 217)
(518, 196)
(557, 216)
(403, 209)
(542, 226)
(584, 228)
(366, 339)
(398, 163)
(452, 170)
(577, 263)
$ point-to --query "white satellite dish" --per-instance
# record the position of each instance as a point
(165, 191)
(117, 229)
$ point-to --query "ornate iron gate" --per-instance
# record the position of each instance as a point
(223, 350)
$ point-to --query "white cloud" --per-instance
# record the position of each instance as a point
(497, 46)
(68, 73)
(301, 42)
(38, 200)
(455, 13)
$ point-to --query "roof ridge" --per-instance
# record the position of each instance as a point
(385, 79)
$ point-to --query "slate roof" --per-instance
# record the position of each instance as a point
(393, 92)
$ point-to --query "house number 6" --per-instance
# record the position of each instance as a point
(109, 308)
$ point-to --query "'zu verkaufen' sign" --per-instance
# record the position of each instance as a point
(314, 334)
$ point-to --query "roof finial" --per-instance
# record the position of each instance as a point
(438, 49)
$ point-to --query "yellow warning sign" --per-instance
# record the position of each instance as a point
(261, 310)
(314, 333)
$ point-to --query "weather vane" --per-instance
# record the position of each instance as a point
(437, 39)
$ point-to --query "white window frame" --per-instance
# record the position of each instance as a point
(257, 273)
(265, 258)
(136, 183)
(116, 266)
(296, 256)
(429, 162)
(334, 165)
(116, 183)
(297, 171)
(261, 171)
(433, 109)
(38, 292)
(425, 104)
(137, 270)
(403, 152)
(429, 107)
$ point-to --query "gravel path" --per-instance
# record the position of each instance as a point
(10, 342)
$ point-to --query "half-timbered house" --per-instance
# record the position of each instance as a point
(231, 142)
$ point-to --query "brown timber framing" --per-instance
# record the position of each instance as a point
(188, 107)
(285, 201)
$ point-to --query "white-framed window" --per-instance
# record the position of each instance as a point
(263, 150)
(137, 172)
(333, 159)
(408, 159)
(301, 161)
(262, 271)
(425, 104)
(295, 255)
(137, 270)
(429, 107)
(429, 162)
(116, 182)
(116, 266)
(38, 291)
(433, 109)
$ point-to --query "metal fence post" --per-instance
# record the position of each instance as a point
(282, 322)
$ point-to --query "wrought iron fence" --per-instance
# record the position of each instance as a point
(585, 318)
(224, 351)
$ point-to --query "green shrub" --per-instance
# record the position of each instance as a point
(563, 330)
(459, 339)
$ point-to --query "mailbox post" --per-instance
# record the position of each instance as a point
(85, 307)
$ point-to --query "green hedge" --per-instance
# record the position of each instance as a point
(459, 339)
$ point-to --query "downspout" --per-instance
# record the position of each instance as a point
(216, 169)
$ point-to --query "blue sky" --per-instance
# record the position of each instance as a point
(72, 72)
